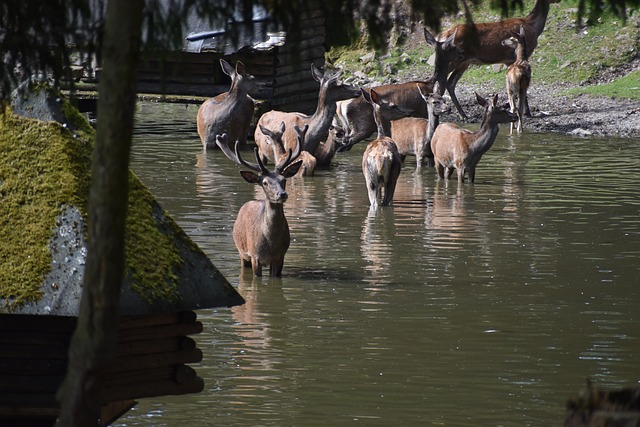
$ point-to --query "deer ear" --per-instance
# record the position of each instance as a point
(375, 97)
(265, 131)
(366, 95)
(227, 68)
(239, 67)
(292, 169)
(250, 177)
(429, 37)
(481, 100)
(316, 73)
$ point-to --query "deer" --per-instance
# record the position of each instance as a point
(280, 153)
(381, 162)
(482, 44)
(261, 230)
(459, 148)
(331, 90)
(518, 76)
(230, 112)
(413, 135)
(326, 150)
(356, 115)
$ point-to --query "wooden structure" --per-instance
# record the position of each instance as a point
(157, 316)
(281, 65)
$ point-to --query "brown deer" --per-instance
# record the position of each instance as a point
(230, 112)
(280, 153)
(459, 148)
(518, 77)
(413, 135)
(261, 231)
(356, 115)
(326, 150)
(381, 162)
(482, 44)
(331, 91)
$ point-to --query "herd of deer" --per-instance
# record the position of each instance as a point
(405, 116)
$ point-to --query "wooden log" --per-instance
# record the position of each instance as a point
(31, 366)
(30, 384)
(152, 389)
(111, 411)
(307, 54)
(147, 361)
(45, 352)
(158, 332)
(141, 321)
(297, 88)
(166, 345)
(40, 324)
(20, 410)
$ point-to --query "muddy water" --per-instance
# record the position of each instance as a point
(486, 304)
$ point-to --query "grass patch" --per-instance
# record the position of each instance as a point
(625, 87)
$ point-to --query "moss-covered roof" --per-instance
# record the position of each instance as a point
(44, 181)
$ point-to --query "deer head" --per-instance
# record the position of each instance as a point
(273, 183)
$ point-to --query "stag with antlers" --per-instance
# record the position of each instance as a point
(261, 230)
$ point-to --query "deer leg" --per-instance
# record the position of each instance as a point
(440, 170)
(389, 190)
(449, 172)
(256, 267)
(275, 269)
(451, 87)
(472, 174)
(460, 175)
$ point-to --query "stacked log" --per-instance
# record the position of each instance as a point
(151, 360)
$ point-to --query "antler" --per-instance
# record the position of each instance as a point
(221, 141)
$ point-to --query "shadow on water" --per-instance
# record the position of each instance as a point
(466, 305)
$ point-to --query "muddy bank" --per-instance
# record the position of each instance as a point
(584, 115)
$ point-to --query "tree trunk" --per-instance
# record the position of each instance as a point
(94, 340)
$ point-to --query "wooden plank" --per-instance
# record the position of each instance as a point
(111, 411)
(133, 363)
(158, 332)
(307, 54)
(152, 389)
(27, 324)
(166, 345)
(141, 321)
(32, 366)
(296, 88)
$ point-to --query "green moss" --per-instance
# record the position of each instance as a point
(45, 167)
(42, 168)
(152, 256)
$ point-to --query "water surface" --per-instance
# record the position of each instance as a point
(486, 304)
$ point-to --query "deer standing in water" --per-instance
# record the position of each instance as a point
(459, 148)
(482, 44)
(356, 115)
(229, 112)
(518, 77)
(331, 91)
(381, 162)
(327, 150)
(413, 135)
(280, 153)
(261, 231)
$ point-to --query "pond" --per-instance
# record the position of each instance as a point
(482, 304)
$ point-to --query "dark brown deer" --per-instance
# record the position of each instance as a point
(331, 91)
(482, 44)
(413, 135)
(230, 112)
(459, 148)
(518, 77)
(261, 231)
(356, 115)
(381, 162)
(274, 139)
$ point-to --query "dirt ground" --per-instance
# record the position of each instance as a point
(581, 115)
